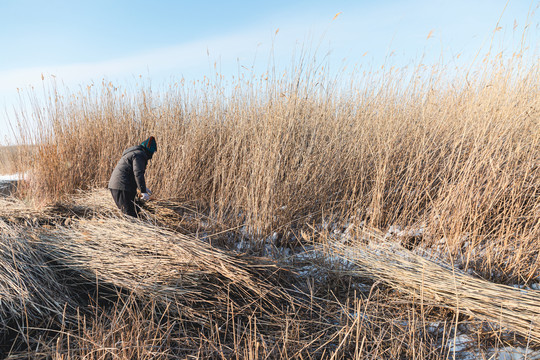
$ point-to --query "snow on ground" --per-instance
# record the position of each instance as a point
(462, 347)
(519, 353)
(460, 343)
(12, 177)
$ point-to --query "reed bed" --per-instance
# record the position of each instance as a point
(432, 283)
(452, 152)
(456, 153)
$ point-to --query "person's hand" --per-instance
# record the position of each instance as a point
(145, 197)
(148, 191)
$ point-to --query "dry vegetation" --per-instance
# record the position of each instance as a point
(8, 159)
(266, 238)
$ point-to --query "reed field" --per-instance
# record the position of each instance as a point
(363, 215)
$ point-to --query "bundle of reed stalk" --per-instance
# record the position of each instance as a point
(96, 201)
(152, 262)
(165, 212)
(440, 284)
(84, 204)
(29, 287)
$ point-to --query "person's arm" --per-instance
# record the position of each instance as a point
(139, 168)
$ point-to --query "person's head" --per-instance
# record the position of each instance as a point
(150, 146)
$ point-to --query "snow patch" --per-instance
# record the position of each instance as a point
(459, 343)
(510, 353)
(12, 177)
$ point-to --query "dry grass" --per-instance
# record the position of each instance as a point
(459, 157)
(273, 161)
(14, 158)
(124, 288)
(435, 283)
(8, 159)
(28, 287)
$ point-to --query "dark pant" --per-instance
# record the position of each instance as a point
(125, 200)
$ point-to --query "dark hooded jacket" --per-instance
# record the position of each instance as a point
(128, 175)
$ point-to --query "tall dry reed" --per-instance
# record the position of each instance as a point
(453, 153)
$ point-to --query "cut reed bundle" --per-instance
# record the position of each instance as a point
(95, 202)
(84, 204)
(28, 286)
(153, 263)
(513, 309)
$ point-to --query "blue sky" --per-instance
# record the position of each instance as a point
(80, 42)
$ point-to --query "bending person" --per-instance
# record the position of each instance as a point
(128, 176)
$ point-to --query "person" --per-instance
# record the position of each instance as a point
(128, 176)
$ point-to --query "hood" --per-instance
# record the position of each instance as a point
(150, 145)
(132, 149)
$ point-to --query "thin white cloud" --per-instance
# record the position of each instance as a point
(193, 59)
(184, 56)
(360, 29)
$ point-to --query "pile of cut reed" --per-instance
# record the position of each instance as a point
(441, 285)
(153, 263)
(30, 289)
(98, 201)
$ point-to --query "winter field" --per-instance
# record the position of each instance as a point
(301, 216)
